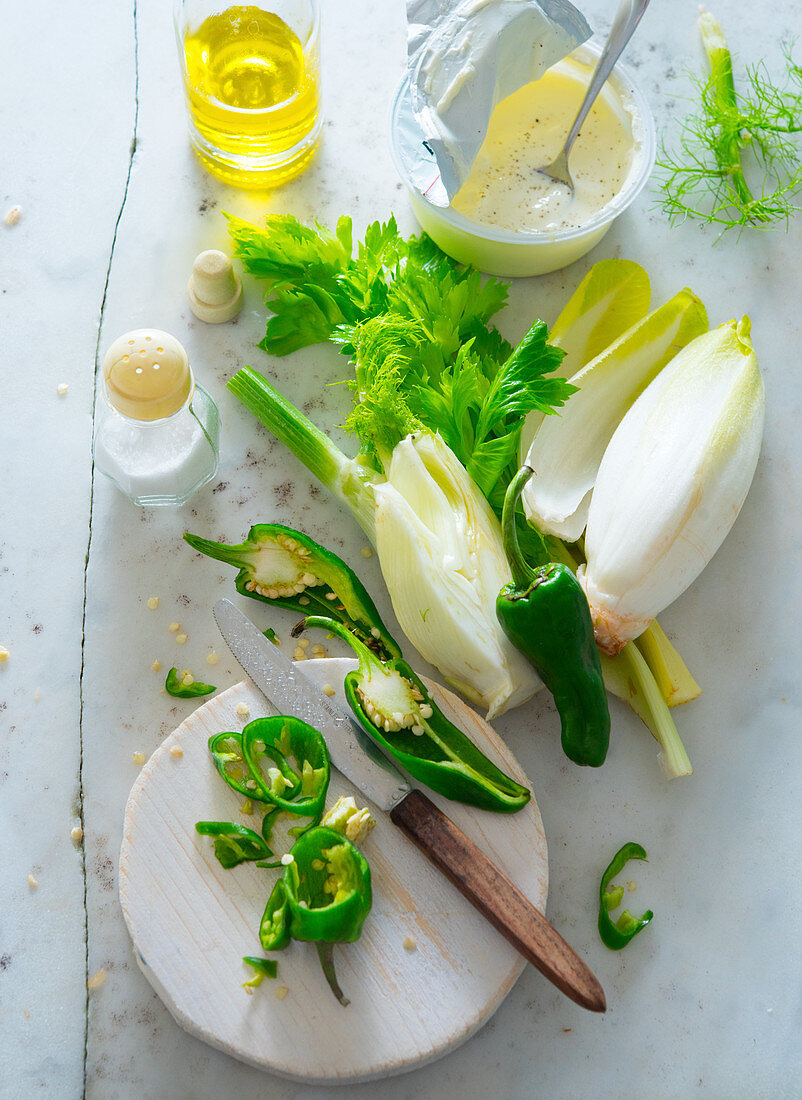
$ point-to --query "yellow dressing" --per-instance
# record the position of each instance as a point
(147, 375)
(526, 131)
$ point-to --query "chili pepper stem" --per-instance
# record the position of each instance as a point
(325, 952)
(522, 573)
(366, 658)
(231, 555)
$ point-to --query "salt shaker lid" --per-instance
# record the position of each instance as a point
(147, 374)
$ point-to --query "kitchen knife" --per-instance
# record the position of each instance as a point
(353, 753)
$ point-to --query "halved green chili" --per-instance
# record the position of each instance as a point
(396, 710)
(616, 935)
(545, 614)
(285, 567)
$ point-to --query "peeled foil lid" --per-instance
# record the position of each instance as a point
(463, 59)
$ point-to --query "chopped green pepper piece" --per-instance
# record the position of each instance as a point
(323, 896)
(265, 968)
(233, 843)
(286, 568)
(298, 787)
(174, 686)
(226, 750)
(545, 614)
(396, 710)
(616, 935)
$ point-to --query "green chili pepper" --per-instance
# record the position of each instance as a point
(175, 687)
(264, 968)
(298, 778)
(323, 896)
(616, 935)
(258, 763)
(545, 614)
(233, 843)
(226, 750)
(286, 568)
(396, 710)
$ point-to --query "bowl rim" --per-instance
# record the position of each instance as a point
(633, 185)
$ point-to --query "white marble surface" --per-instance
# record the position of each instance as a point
(707, 1000)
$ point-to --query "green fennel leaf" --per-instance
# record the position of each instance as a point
(737, 160)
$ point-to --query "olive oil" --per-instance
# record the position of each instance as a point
(253, 96)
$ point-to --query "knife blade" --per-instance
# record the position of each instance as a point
(477, 878)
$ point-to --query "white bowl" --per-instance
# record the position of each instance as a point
(531, 252)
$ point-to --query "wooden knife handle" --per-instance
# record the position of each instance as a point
(488, 889)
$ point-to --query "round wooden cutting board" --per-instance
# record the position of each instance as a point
(191, 921)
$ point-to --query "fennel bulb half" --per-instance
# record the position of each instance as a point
(672, 482)
(442, 557)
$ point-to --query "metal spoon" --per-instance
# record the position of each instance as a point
(626, 20)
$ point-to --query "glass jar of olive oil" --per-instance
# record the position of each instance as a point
(252, 82)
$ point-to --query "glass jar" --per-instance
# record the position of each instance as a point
(157, 431)
(252, 83)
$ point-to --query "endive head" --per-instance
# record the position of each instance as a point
(442, 558)
(672, 482)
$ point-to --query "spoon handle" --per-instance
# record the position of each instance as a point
(626, 20)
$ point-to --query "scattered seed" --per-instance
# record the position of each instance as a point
(410, 944)
(139, 758)
(176, 751)
(212, 658)
(281, 992)
(243, 710)
(181, 639)
(77, 833)
(32, 882)
(97, 980)
(328, 689)
(153, 603)
(156, 666)
(287, 859)
(62, 388)
(367, 552)
(13, 215)
(4, 654)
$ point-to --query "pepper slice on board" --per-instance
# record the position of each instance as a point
(323, 896)
(234, 843)
(617, 934)
(545, 614)
(297, 777)
(393, 706)
(284, 567)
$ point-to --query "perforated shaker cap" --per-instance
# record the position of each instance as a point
(147, 374)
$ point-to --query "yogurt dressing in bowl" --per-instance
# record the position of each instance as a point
(527, 129)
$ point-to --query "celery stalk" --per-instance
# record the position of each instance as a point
(345, 477)
(628, 676)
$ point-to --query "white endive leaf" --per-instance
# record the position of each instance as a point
(566, 452)
(443, 561)
(672, 482)
(612, 297)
